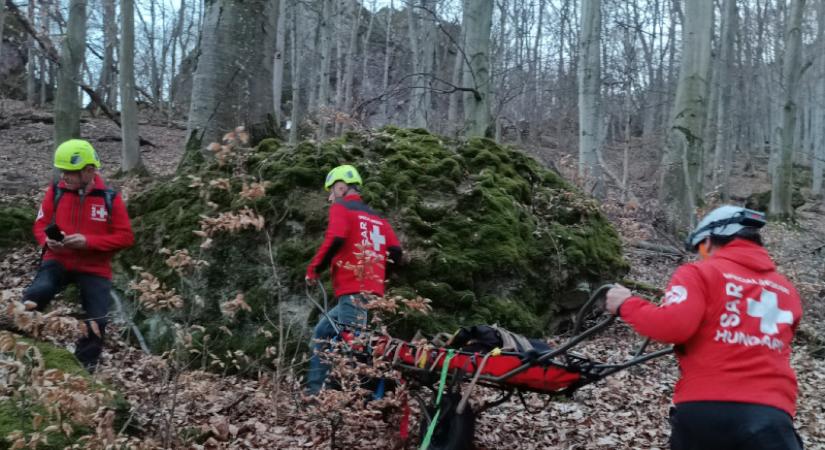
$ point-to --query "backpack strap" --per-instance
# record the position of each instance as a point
(107, 193)
(57, 194)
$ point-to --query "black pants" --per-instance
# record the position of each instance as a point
(731, 426)
(51, 278)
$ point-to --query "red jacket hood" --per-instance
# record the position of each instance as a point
(748, 254)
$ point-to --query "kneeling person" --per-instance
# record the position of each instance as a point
(81, 225)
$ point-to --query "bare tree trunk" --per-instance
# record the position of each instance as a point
(42, 61)
(388, 48)
(67, 99)
(683, 148)
(535, 71)
(627, 148)
(349, 68)
(31, 70)
(666, 101)
(782, 183)
(819, 99)
(175, 41)
(326, 50)
(653, 97)
(427, 39)
(630, 60)
(478, 21)
(723, 153)
(295, 114)
(2, 25)
(153, 59)
(278, 63)
(365, 53)
(338, 105)
(560, 71)
(130, 150)
(453, 123)
(415, 111)
(232, 84)
(166, 42)
(709, 124)
(105, 88)
(589, 77)
(501, 58)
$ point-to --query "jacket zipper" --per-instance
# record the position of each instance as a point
(77, 223)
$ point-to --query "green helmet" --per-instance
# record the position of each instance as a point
(75, 154)
(345, 173)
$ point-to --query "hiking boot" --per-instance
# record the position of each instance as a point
(88, 350)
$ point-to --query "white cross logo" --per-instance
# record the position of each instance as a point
(377, 238)
(769, 313)
(99, 213)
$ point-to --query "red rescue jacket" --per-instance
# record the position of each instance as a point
(356, 245)
(86, 215)
(732, 318)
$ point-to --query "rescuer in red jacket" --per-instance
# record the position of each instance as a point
(732, 318)
(358, 245)
(81, 224)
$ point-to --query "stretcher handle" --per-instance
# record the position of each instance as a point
(641, 350)
(323, 309)
(600, 292)
(604, 370)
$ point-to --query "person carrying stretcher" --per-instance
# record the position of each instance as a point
(732, 318)
(358, 245)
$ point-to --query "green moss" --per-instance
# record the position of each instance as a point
(16, 418)
(802, 177)
(761, 201)
(16, 225)
(17, 415)
(57, 358)
(489, 234)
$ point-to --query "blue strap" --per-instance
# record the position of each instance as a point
(379, 390)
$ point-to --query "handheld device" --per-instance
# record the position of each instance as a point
(53, 232)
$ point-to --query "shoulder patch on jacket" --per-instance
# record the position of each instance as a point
(675, 295)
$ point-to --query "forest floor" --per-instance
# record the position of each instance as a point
(627, 410)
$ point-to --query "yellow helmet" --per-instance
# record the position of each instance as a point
(345, 173)
(75, 154)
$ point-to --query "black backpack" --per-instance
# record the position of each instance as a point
(483, 338)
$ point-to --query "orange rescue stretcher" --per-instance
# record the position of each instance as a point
(449, 422)
(517, 365)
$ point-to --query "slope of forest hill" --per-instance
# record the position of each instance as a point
(26, 146)
(207, 410)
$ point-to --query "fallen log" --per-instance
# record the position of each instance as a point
(659, 248)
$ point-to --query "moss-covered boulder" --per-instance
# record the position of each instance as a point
(15, 225)
(802, 179)
(761, 201)
(489, 235)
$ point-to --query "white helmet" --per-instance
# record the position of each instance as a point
(725, 221)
